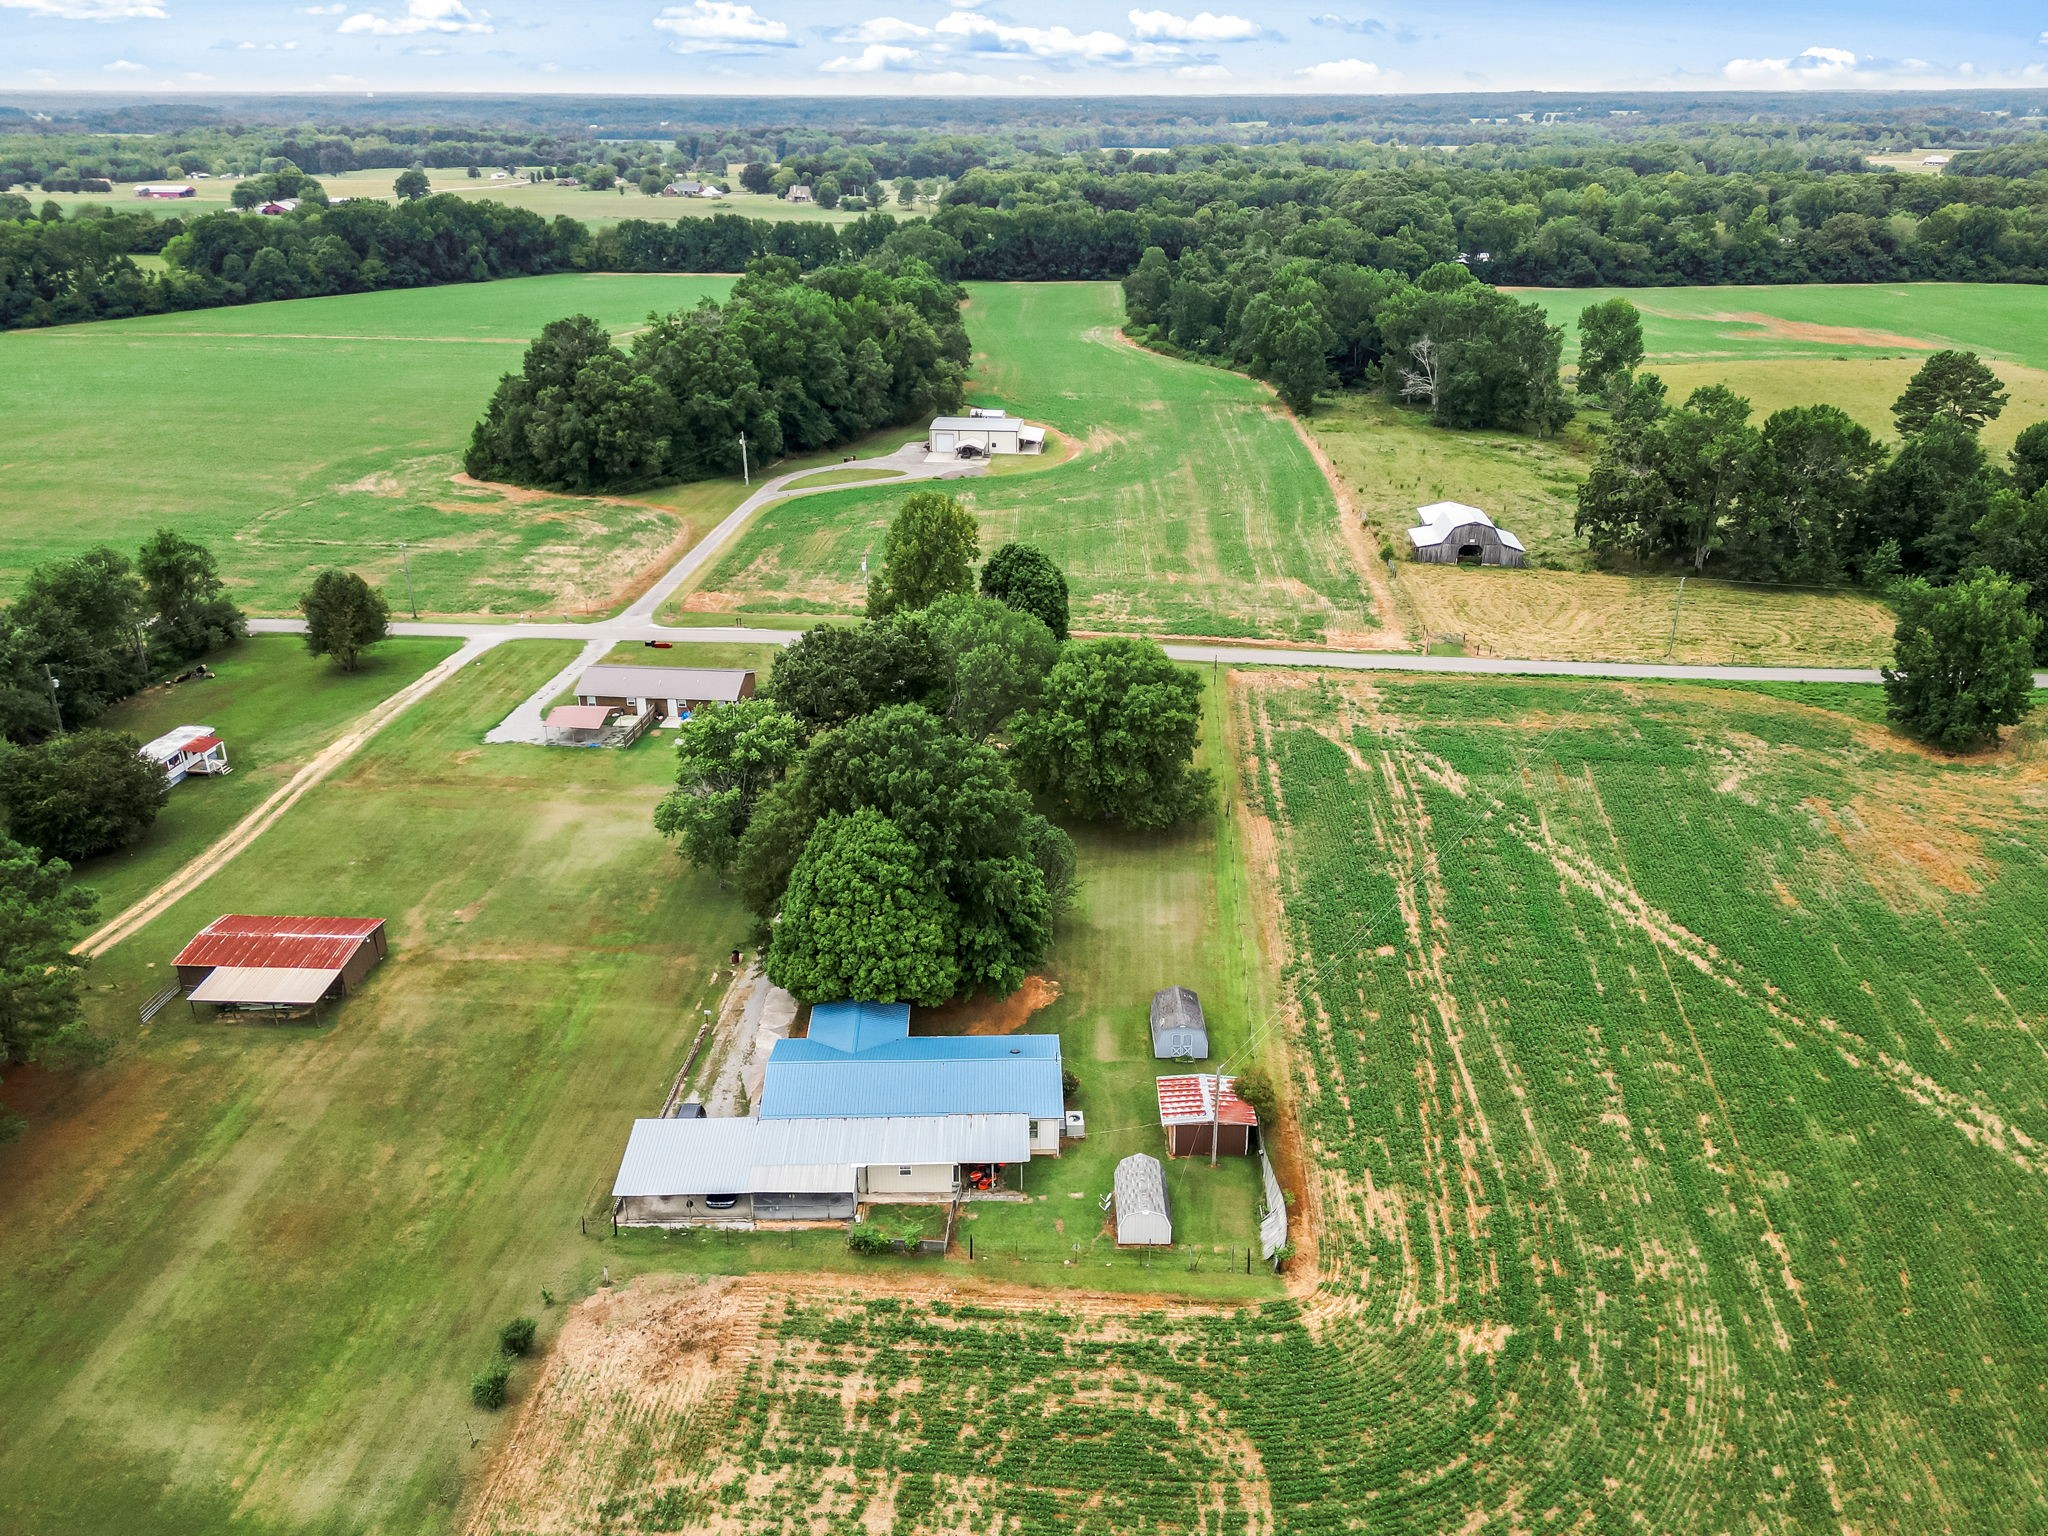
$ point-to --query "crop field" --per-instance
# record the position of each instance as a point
(249, 1268)
(1669, 1062)
(1389, 461)
(1188, 507)
(1849, 344)
(316, 432)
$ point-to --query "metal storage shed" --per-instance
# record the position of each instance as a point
(1193, 1114)
(1179, 1031)
(1142, 1217)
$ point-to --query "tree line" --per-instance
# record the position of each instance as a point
(790, 362)
(874, 805)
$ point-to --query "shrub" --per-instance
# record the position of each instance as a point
(487, 1386)
(1256, 1089)
(516, 1337)
(869, 1240)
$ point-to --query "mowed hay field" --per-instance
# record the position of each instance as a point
(316, 432)
(249, 1269)
(1188, 505)
(1669, 1064)
(1389, 461)
(1848, 344)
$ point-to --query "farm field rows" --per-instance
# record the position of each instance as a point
(296, 435)
(1390, 461)
(1190, 507)
(1850, 344)
(1669, 1066)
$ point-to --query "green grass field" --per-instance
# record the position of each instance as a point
(296, 435)
(597, 209)
(250, 1268)
(276, 707)
(1849, 344)
(1190, 508)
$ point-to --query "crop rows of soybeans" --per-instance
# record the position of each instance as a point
(1670, 1065)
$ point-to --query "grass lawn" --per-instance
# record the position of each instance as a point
(249, 1269)
(1391, 461)
(1190, 507)
(276, 707)
(317, 432)
(1849, 344)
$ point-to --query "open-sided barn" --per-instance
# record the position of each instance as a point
(1190, 1110)
(279, 963)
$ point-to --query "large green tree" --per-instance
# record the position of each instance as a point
(1116, 738)
(954, 799)
(1610, 346)
(996, 660)
(726, 759)
(2012, 537)
(1806, 486)
(1667, 481)
(928, 553)
(863, 918)
(81, 617)
(836, 672)
(2029, 458)
(189, 609)
(78, 795)
(1962, 660)
(1026, 578)
(345, 616)
(41, 914)
(1952, 384)
(1929, 497)
(412, 185)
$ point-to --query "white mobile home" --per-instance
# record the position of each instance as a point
(188, 749)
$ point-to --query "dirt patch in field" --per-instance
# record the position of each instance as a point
(1908, 850)
(982, 1015)
(1777, 328)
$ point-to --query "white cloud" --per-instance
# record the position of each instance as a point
(883, 29)
(721, 26)
(874, 57)
(983, 34)
(88, 10)
(1201, 72)
(1345, 75)
(324, 10)
(1815, 66)
(1202, 27)
(124, 67)
(419, 16)
(1364, 25)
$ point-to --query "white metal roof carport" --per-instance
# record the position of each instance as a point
(275, 986)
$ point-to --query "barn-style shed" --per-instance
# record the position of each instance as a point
(1179, 1032)
(1142, 1217)
(1452, 533)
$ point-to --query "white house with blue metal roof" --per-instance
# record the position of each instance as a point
(861, 1061)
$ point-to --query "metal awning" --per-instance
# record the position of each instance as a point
(280, 986)
(579, 717)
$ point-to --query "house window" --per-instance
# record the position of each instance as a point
(1034, 1130)
(903, 1173)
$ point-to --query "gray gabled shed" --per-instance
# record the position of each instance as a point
(1179, 1032)
(1142, 1217)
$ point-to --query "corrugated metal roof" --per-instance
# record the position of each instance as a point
(1140, 1185)
(579, 717)
(1190, 1100)
(976, 424)
(172, 742)
(858, 1026)
(794, 1157)
(292, 943)
(719, 685)
(277, 985)
(1440, 519)
(923, 1075)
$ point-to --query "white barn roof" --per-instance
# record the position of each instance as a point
(1440, 519)
(721, 684)
(977, 424)
(787, 1157)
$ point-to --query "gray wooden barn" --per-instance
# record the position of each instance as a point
(1451, 533)
(1179, 1032)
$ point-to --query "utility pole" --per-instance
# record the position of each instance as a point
(746, 477)
(141, 650)
(405, 559)
(1676, 605)
(1215, 1117)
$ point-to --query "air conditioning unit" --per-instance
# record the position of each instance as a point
(1077, 1126)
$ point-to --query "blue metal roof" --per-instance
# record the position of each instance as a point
(858, 1026)
(926, 1075)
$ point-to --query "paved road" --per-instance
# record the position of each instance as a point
(612, 631)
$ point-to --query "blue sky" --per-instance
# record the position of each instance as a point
(889, 47)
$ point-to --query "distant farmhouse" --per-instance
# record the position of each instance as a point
(1451, 533)
(668, 693)
(980, 434)
(800, 194)
(859, 1110)
(166, 191)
